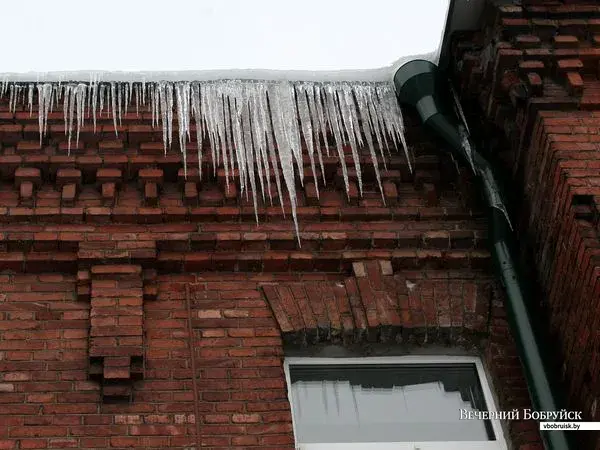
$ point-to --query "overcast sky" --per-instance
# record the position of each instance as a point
(187, 35)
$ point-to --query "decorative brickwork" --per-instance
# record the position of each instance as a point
(116, 334)
(376, 306)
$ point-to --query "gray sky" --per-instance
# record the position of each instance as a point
(217, 35)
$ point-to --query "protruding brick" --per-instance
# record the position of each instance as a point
(390, 192)
(231, 194)
(190, 193)
(531, 66)
(117, 390)
(105, 175)
(151, 176)
(535, 83)
(68, 194)
(109, 191)
(68, 176)
(26, 193)
(310, 191)
(28, 146)
(569, 65)
(211, 196)
(574, 83)
(151, 194)
(566, 41)
(431, 195)
(359, 269)
(116, 269)
(28, 174)
(527, 41)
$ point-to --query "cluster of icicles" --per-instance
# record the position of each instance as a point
(251, 125)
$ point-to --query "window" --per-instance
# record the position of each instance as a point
(390, 403)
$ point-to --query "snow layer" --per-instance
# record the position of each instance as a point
(186, 40)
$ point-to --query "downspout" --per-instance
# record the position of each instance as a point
(419, 84)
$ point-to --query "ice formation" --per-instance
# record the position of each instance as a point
(252, 126)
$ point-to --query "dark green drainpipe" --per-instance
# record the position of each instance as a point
(419, 84)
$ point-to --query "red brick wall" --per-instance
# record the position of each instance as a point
(563, 164)
(538, 87)
(125, 236)
(239, 393)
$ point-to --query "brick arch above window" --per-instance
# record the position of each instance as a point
(375, 304)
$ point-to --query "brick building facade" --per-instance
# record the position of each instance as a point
(143, 309)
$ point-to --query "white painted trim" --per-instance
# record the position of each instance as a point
(499, 444)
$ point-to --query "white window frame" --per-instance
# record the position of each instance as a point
(498, 444)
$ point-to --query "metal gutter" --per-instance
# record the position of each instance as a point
(419, 84)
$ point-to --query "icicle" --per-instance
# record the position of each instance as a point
(80, 97)
(266, 120)
(307, 131)
(113, 106)
(393, 117)
(10, 98)
(197, 113)
(119, 103)
(259, 139)
(182, 92)
(72, 96)
(94, 98)
(153, 106)
(67, 93)
(89, 97)
(248, 149)
(333, 116)
(234, 136)
(169, 92)
(365, 95)
(48, 99)
(293, 131)
(41, 109)
(318, 124)
(102, 94)
(280, 98)
(466, 144)
(163, 113)
(350, 122)
(206, 110)
(137, 99)
(227, 152)
(320, 111)
(128, 96)
(363, 108)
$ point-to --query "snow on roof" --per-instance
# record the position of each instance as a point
(213, 39)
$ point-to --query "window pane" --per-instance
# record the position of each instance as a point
(387, 403)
